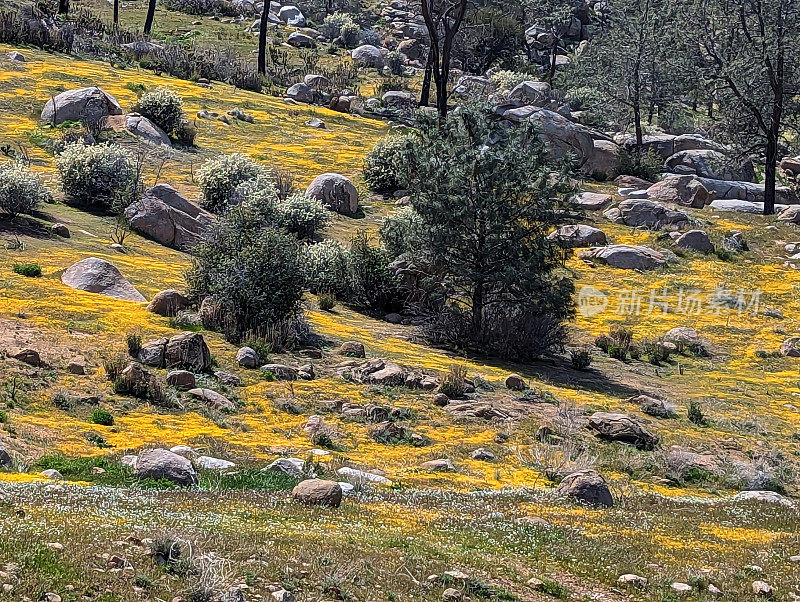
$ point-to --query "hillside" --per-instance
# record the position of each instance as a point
(489, 525)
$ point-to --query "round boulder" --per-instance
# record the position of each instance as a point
(84, 104)
(168, 303)
(335, 191)
(247, 357)
(368, 56)
(163, 464)
(317, 492)
(588, 487)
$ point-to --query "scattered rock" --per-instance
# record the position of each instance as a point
(359, 477)
(626, 257)
(95, 275)
(60, 230)
(335, 191)
(228, 379)
(441, 400)
(293, 467)
(292, 16)
(695, 240)
(141, 126)
(247, 357)
(77, 365)
(578, 235)
(592, 201)
(762, 589)
(281, 371)
(791, 347)
(352, 349)
(163, 464)
(301, 93)
(209, 463)
(301, 40)
(368, 56)
(680, 588)
(282, 595)
(516, 383)
(586, 486)
(168, 303)
(213, 399)
(632, 579)
(316, 492)
(768, 497)
(451, 594)
(28, 356)
(152, 353)
(623, 429)
(52, 473)
(482, 454)
(187, 351)
(183, 380)
(441, 465)
(641, 213)
(83, 105)
(652, 406)
(15, 56)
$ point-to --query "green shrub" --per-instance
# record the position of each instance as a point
(454, 382)
(508, 80)
(581, 358)
(401, 231)
(21, 190)
(385, 166)
(134, 343)
(219, 178)
(326, 268)
(185, 133)
(252, 272)
(33, 270)
(371, 284)
(102, 417)
(349, 35)
(96, 175)
(331, 27)
(162, 106)
(327, 301)
(695, 413)
(396, 61)
(647, 166)
(303, 216)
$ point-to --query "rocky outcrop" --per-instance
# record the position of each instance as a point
(626, 257)
(683, 190)
(578, 235)
(710, 164)
(623, 429)
(95, 275)
(641, 213)
(170, 219)
(187, 351)
(83, 105)
(386, 373)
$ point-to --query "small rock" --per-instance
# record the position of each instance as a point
(713, 590)
(60, 230)
(516, 383)
(632, 579)
(52, 473)
(451, 594)
(28, 356)
(441, 465)
(77, 365)
(441, 400)
(317, 492)
(352, 349)
(681, 588)
(209, 463)
(182, 380)
(482, 454)
(316, 123)
(762, 588)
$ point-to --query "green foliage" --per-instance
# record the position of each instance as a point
(303, 216)
(581, 358)
(647, 166)
(97, 174)
(327, 301)
(454, 382)
(331, 27)
(220, 176)
(386, 165)
(349, 35)
(134, 342)
(32, 270)
(327, 268)
(396, 61)
(695, 413)
(21, 190)
(102, 417)
(162, 106)
(371, 284)
(252, 272)
(401, 231)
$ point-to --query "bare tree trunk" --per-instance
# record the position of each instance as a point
(477, 308)
(553, 54)
(151, 12)
(63, 7)
(262, 39)
(425, 95)
(116, 13)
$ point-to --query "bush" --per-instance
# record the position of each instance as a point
(385, 166)
(252, 272)
(508, 80)
(185, 133)
(371, 37)
(581, 358)
(647, 166)
(400, 231)
(101, 174)
(21, 191)
(349, 35)
(371, 283)
(454, 382)
(303, 216)
(396, 61)
(331, 27)
(326, 269)
(696, 415)
(221, 8)
(219, 178)
(32, 270)
(163, 107)
(327, 301)
(134, 343)
(102, 417)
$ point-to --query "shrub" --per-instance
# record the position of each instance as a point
(221, 8)
(396, 62)
(32, 270)
(102, 417)
(581, 358)
(96, 175)
(371, 37)
(400, 231)
(647, 166)
(326, 268)
(219, 178)
(162, 106)
(303, 216)
(251, 271)
(21, 190)
(385, 166)
(695, 413)
(349, 35)
(371, 284)
(508, 80)
(327, 301)
(331, 27)
(454, 382)
(185, 133)
(134, 342)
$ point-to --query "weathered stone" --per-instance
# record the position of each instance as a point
(99, 276)
(301, 93)
(281, 371)
(159, 464)
(335, 191)
(293, 467)
(168, 303)
(578, 235)
(152, 353)
(83, 105)
(181, 379)
(441, 465)
(317, 492)
(368, 56)
(622, 428)
(209, 463)
(626, 257)
(648, 214)
(188, 351)
(247, 357)
(695, 240)
(592, 201)
(586, 486)
(214, 400)
(352, 349)
(516, 383)
(28, 356)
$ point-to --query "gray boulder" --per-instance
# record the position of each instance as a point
(652, 406)
(317, 82)
(301, 40)
(293, 467)
(292, 16)
(152, 353)
(16, 57)
(684, 190)
(5, 458)
(187, 351)
(710, 164)
(623, 429)
(592, 201)
(398, 99)
(247, 357)
(183, 380)
(141, 126)
(213, 400)
(695, 240)
(85, 104)
(168, 303)
(163, 464)
(211, 463)
(100, 276)
(578, 235)
(167, 217)
(562, 136)
(301, 93)
(690, 142)
(626, 257)
(587, 487)
(602, 165)
(335, 191)
(368, 56)
(642, 213)
(532, 93)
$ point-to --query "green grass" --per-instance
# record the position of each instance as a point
(32, 270)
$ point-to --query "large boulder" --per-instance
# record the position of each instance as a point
(413, 50)
(587, 487)
(214, 400)
(317, 82)
(96, 275)
(684, 190)
(141, 126)
(532, 93)
(301, 40)
(85, 104)
(168, 303)
(169, 218)
(710, 164)
(747, 191)
(695, 240)
(592, 201)
(316, 492)
(790, 215)
(689, 142)
(642, 213)
(292, 16)
(562, 136)
(335, 191)
(187, 351)
(163, 464)
(578, 235)
(368, 56)
(301, 93)
(662, 145)
(603, 163)
(622, 428)
(626, 257)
